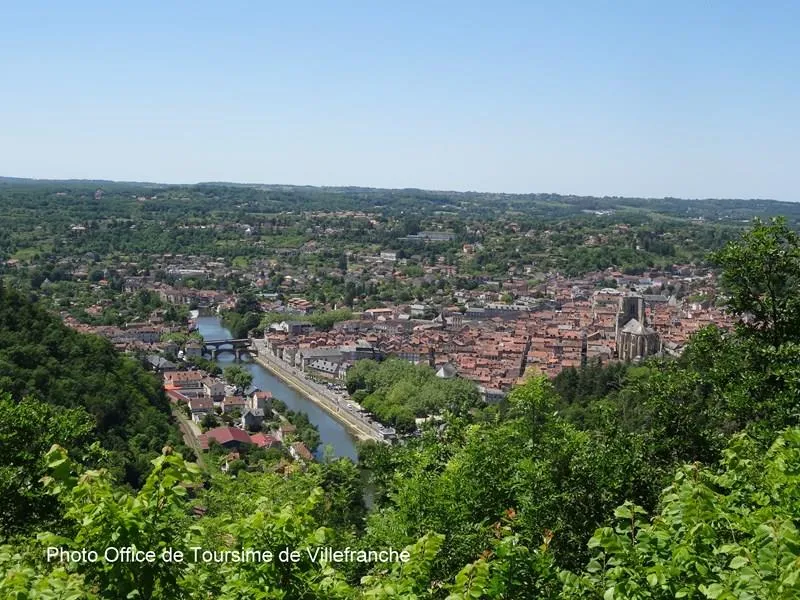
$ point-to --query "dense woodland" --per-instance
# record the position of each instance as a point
(56, 384)
(398, 392)
(673, 478)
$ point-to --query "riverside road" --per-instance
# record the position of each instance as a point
(337, 406)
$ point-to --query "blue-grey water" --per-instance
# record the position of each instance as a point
(332, 433)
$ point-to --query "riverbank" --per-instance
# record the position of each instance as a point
(335, 436)
(351, 422)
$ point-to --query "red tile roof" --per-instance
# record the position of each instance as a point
(263, 440)
(225, 435)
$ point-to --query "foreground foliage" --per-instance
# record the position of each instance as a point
(727, 534)
(720, 533)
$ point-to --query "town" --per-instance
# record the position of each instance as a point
(494, 335)
(498, 335)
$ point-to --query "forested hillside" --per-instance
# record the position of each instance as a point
(673, 478)
(59, 386)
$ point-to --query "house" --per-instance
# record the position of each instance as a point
(214, 388)
(299, 451)
(193, 349)
(183, 380)
(324, 367)
(250, 390)
(264, 440)
(251, 419)
(359, 350)
(378, 313)
(418, 310)
(286, 429)
(430, 236)
(146, 334)
(342, 372)
(300, 305)
(176, 397)
(231, 403)
(200, 407)
(260, 400)
(308, 355)
(229, 437)
(294, 327)
(475, 312)
(160, 364)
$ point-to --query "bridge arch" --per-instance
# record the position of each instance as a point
(237, 347)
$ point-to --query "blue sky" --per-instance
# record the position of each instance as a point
(690, 99)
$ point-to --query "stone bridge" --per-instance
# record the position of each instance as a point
(235, 347)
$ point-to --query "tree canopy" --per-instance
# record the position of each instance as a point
(54, 381)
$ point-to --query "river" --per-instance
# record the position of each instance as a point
(332, 433)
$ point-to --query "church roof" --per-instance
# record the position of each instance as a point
(636, 328)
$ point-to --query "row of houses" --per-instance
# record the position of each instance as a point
(204, 395)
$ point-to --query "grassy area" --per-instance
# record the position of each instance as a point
(29, 254)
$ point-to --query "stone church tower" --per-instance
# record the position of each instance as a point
(635, 340)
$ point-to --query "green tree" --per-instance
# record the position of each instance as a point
(729, 533)
(207, 365)
(27, 431)
(761, 276)
(209, 421)
(44, 360)
(342, 504)
(236, 375)
(98, 516)
(360, 375)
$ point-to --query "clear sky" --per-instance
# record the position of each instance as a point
(645, 98)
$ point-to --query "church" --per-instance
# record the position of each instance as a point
(635, 340)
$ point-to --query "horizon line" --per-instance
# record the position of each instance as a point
(9, 178)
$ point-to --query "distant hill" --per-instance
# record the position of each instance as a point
(270, 198)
